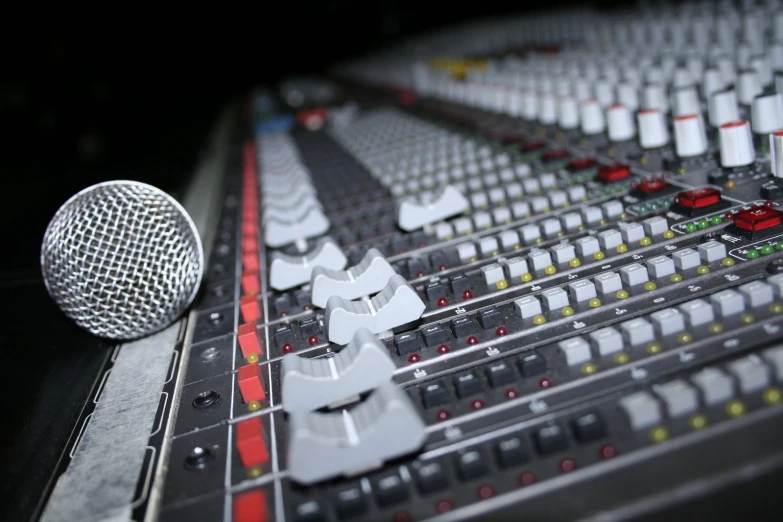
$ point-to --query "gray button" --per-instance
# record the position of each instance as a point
(563, 253)
(482, 220)
(775, 357)
(608, 282)
(558, 198)
(528, 306)
(508, 238)
(592, 215)
(612, 208)
(607, 340)
(686, 258)
(487, 245)
(516, 266)
(757, 293)
(550, 227)
(634, 274)
(679, 397)
(587, 246)
(576, 193)
(520, 209)
(631, 232)
(610, 239)
(576, 350)
(716, 387)
(660, 266)
(539, 259)
(777, 284)
(466, 251)
(571, 221)
(751, 373)
(637, 331)
(492, 273)
(668, 321)
(479, 199)
(539, 204)
(698, 312)
(529, 233)
(462, 225)
(547, 180)
(712, 251)
(582, 290)
(555, 298)
(727, 302)
(655, 226)
(513, 190)
(642, 410)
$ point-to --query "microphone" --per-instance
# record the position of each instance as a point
(122, 259)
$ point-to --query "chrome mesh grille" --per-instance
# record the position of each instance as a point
(122, 259)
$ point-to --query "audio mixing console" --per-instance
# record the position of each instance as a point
(526, 268)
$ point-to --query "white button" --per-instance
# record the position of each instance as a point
(592, 215)
(642, 410)
(492, 273)
(563, 253)
(487, 245)
(608, 282)
(634, 274)
(516, 266)
(686, 258)
(631, 232)
(668, 321)
(466, 251)
(539, 259)
(520, 209)
(607, 340)
(655, 226)
(576, 350)
(660, 266)
(508, 239)
(587, 246)
(528, 306)
(610, 239)
(582, 290)
(698, 312)
(529, 233)
(712, 251)
(501, 215)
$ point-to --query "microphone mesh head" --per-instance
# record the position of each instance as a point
(122, 259)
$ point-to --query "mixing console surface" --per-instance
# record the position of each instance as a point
(498, 272)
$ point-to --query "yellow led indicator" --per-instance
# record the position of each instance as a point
(623, 215)
(736, 408)
(594, 302)
(622, 358)
(253, 405)
(685, 338)
(539, 240)
(502, 284)
(517, 246)
(772, 396)
(589, 368)
(526, 277)
(539, 319)
(581, 228)
(650, 286)
(659, 434)
(473, 259)
(728, 262)
(669, 234)
(747, 318)
(697, 421)
(494, 253)
(776, 308)
(654, 348)
(252, 358)
(567, 311)
(622, 248)
(598, 256)
(703, 270)
(602, 221)
(715, 328)
(645, 241)
(550, 270)
(255, 472)
(676, 278)
(622, 294)
(574, 262)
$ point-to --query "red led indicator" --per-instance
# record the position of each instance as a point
(527, 478)
(443, 301)
(414, 358)
(758, 218)
(614, 172)
(467, 294)
(555, 154)
(443, 349)
(699, 198)
(581, 163)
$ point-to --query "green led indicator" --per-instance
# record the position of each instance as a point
(716, 220)
(691, 227)
(703, 223)
(779, 245)
(767, 249)
(653, 206)
(753, 253)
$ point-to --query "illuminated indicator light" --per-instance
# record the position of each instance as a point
(255, 472)
(654, 348)
(467, 294)
(776, 308)
(414, 358)
(728, 262)
(622, 358)
(253, 405)
(581, 163)
(757, 218)
(772, 396)
(675, 278)
(443, 415)
(494, 253)
(313, 340)
(539, 319)
(730, 184)
(622, 248)
(624, 216)
(645, 241)
(747, 318)
(307, 308)
(420, 273)
(511, 393)
(443, 302)
(622, 294)
(526, 478)
(589, 368)
(501, 331)
(691, 227)
(545, 382)
(477, 404)
(668, 234)
(502, 284)
(538, 239)
(698, 198)
(567, 311)
(473, 259)
(567, 465)
(752, 253)
(443, 349)
(575, 262)
(598, 256)
(252, 358)
(283, 314)
(555, 154)
(650, 185)
(659, 434)
(703, 269)
(736, 408)
(473, 340)
(602, 221)
(769, 204)
(607, 451)
(616, 172)
(779, 245)
(581, 228)
(288, 348)
(526, 277)
(716, 220)
(484, 492)
(560, 234)
(650, 286)
(702, 223)
(767, 249)
(685, 338)
(549, 270)
(594, 302)
(697, 421)
(444, 506)
(442, 268)
(517, 246)
(715, 328)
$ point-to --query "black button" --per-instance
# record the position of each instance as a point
(302, 297)
(415, 267)
(431, 477)
(438, 259)
(283, 335)
(435, 291)
(309, 327)
(350, 502)
(459, 284)
(500, 374)
(589, 427)
(511, 452)
(434, 335)
(309, 511)
(550, 439)
(462, 326)
(467, 384)
(419, 239)
(390, 489)
(434, 394)
(532, 364)
(772, 190)
(471, 464)
(406, 343)
(399, 244)
(490, 318)
(282, 303)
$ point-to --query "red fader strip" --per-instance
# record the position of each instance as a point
(249, 343)
(250, 283)
(251, 444)
(249, 379)
(250, 309)
(251, 507)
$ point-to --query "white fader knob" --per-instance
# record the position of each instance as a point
(723, 107)
(748, 86)
(690, 139)
(766, 113)
(568, 113)
(686, 101)
(628, 95)
(736, 144)
(711, 83)
(652, 129)
(547, 109)
(592, 116)
(776, 153)
(620, 123)
(654, 97)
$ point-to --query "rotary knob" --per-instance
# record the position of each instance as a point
(620, 123)
(736, 144)
(690, 138)
(652, 129)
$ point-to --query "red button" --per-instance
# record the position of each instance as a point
(251, 507)
(533, 145)
(249, 228)
(249, 379)
(581, 163)
(249, 245)
(698, 198)
(250, 262)
(250, 283)
(248, 339)
(250, 443)
(251, 311)
(313, 118)
(614, 172)
(758, 218)
(651, 185)
(556, 154)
